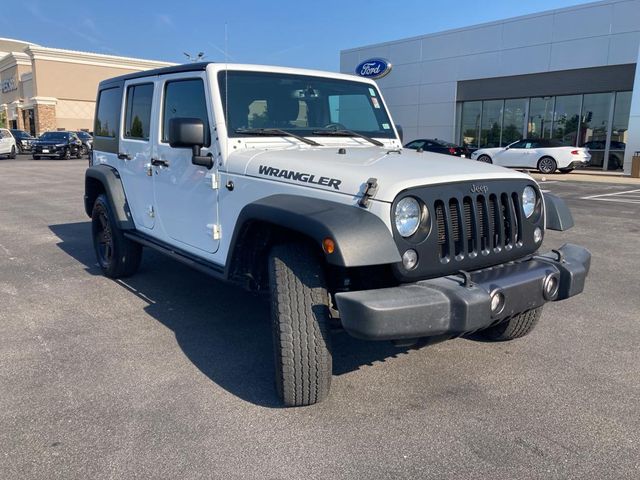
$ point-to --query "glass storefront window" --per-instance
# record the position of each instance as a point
(513, 123)
(595, 122)
(540, 117)
(566, 118)
(619, 130)
(491, 123)
(470, 124)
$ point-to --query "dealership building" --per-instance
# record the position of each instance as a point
(567, 74)
(53, 89)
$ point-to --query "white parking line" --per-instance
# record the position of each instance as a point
(628, 196)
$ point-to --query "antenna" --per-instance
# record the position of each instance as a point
(226, 77)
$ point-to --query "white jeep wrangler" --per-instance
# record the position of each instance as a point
(295, 182)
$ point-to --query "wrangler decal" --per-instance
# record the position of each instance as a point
(299, 177)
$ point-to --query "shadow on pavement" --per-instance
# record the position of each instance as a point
(222, 329)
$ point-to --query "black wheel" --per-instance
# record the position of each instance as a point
(515, 327)
(300, 322)
(566, 170)
(547, 165)
(36, 157)
(485, 159)
(79, 153)
(66, 155)
(13, 153)
(117, 256)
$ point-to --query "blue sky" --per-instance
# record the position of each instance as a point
(292, 33)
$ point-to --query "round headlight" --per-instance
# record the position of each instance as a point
(407, 216)
(529, 200)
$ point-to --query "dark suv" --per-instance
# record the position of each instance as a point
(87, 141)
(57, 144)
(23, 140)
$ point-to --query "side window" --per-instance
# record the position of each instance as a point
(520, 144)
(106, 124)
(137, 117)
(184, 99)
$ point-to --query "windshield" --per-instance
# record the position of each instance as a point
(301, 104)
(54, 136)
(20, 134)
(83, 135)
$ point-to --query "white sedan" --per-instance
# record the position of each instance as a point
(545, 155)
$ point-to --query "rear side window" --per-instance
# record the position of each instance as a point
(184, 99)
(137, 118)
(106, 124)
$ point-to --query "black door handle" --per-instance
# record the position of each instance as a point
(124, 156)
(156, 162)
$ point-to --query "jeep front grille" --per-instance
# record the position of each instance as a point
(470, 226)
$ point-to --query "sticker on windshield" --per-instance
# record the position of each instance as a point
(386, 126)
(372, 92)
(375, 102)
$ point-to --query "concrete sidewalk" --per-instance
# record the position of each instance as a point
(587, 176)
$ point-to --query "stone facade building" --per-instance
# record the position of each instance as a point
(45, 88)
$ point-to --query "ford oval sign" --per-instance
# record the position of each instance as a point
(374, 68)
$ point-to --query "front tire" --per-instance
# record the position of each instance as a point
(300, 323)
(485, 159)
(515, 327)
(66, 155)
(36, 157)
(547, 165)
(117, 256)
(12, 155)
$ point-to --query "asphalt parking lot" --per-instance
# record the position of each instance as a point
(169, 374)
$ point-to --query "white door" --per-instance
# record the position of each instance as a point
(514, 156)
(134, 157)
(5, 141)
(186, 199)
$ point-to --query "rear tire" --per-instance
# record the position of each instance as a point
(117, 256)
(485, 159)
(515, 327)
(300, 323)
(547, 165)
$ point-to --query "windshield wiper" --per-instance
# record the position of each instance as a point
(275, 132)
(348, 133)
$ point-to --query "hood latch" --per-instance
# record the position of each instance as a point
(369, 192)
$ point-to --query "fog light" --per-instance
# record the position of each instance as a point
(537, 235)
(550, 287)
(497, 302)
(410, 259)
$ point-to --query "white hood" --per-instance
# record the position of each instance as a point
(324, 167)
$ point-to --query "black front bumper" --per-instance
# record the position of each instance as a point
(454, 305)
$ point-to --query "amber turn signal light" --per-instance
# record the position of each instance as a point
(328, 245)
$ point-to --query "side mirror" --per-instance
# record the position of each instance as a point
(190, 133)
(400, 133)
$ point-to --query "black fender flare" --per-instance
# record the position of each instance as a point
(361, 238)
(109, 178)
(558, 215)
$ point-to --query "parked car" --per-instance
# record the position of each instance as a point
(616, 152)
(57, 144)
(87, 141)
(8, 145)
(438, 146)
(545, 155)
(23, 140)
